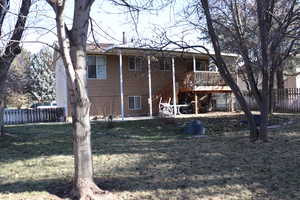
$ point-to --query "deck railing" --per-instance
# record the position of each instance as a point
(203, 78)
(207, 78)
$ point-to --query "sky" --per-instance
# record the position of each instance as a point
(109, 23)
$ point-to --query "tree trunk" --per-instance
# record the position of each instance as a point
(280, 85)
(271, 91)
(279, 77)
(263, 133)
(84, 187)
(226, 75)
(254, 133)
(264, 109)
(264, 21)
(73, 51)
(83, 178)
(12, 49)
(4, 67)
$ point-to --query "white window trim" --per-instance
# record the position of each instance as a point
(87, 74)
(205, 66)
(134, 97)
(136, 69)
(164, 67)
(129, 69)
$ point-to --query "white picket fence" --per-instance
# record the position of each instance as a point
(22, 116)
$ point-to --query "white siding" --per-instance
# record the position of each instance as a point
(298, 77)
(61, 85)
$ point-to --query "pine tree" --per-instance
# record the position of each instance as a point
(41, 76)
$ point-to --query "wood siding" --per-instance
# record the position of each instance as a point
(105, 94)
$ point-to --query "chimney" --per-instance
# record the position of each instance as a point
(124, 38)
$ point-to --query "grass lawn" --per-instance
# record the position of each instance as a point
(155, 160)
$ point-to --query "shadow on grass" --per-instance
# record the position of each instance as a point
(197, 169)
(189, 167)
(30, 141)
(57, 187)
(45, 140)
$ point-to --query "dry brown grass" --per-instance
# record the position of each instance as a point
(154, 160)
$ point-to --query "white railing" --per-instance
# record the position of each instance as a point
(207, 78)
(22, 116)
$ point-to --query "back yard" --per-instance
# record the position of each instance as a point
(155, 160)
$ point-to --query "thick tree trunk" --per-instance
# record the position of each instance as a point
(264, 109)
(84, 187)
(74, 56)
(264, 21)
(83, 178)
(263, 133)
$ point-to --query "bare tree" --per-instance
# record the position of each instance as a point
(11, 49)
(72, 47)
(17, 81)
(72, 43)
(264, 33)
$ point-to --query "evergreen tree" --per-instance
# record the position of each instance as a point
(41, 76)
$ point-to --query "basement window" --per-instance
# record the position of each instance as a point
(134, 103)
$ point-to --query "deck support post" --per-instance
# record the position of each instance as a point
(194, 64)
(196, 103)
(194, 70)
(196, 96)
(232, 102)
(121, 85)
(174, 87)
(150, 87)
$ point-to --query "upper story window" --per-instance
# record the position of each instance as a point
(96, 67)
(165, 64)
(135, 63)
(201, 65)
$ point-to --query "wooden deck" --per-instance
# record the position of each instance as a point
(204, 81)
(205, 89)
(212, 88)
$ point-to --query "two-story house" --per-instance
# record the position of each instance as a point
(126, 81)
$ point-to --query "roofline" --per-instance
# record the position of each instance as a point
(171, 51)
(113, 48)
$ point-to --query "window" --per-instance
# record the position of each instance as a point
(131, 63)
(135, 63)
(201, 65)
(96, 67)
(134, 102)
(166, 64)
